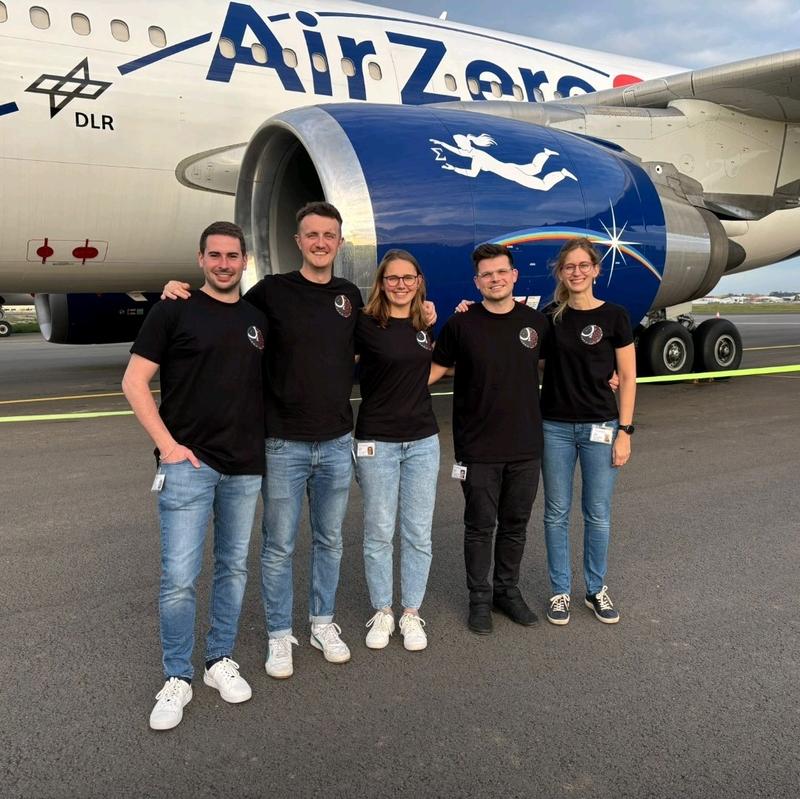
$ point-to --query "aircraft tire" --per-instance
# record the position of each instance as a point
(5, 329)
(666, 348)
(717, 346)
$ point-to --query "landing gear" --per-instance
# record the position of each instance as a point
(5, 328)
(717, 346)
(666, 348)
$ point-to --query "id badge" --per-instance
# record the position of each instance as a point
(365, 449)
(459, 472)
(602, 434)
(158, 482)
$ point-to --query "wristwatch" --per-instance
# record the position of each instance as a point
(627, 428)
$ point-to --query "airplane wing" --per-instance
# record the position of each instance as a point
(767, 87)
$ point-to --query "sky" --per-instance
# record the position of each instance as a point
(689, 34)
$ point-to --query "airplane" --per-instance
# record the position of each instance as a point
(127, 127)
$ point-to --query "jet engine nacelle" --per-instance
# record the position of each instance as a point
(438, 182)
(91, 318)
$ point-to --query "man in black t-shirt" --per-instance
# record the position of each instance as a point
(311, 315)
(495, 347)
(207, 432)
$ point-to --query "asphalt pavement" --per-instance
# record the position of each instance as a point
(693, 694)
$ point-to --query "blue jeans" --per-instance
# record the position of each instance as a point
(323, 470)
(399, 475)
(185, 505)
(564, 444)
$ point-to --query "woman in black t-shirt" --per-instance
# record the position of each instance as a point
(589, 340)
(396, 445)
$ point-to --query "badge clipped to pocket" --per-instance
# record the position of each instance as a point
(158, 482)
(602, 434)
(365, 449)
(459, 472)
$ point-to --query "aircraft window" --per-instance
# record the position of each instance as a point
(119, 30)
(374, 70)
(40, 18)
(259, 53)
(319, 62)
(473, 87)
(227, 48)
(81, 24)
(450, 83)
(289, 58)
(3, 12)
(558, 96)
(497, 89)
(517, 92)
(538, 95)
(348, 67)
(157, 36)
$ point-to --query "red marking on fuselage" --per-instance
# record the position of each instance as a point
(625, 80)
(45, 252)
(85, 252)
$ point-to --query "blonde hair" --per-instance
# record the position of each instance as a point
(561, 294)
(378, 303)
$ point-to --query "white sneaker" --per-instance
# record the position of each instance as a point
(382, 626)
(224, 676)
(414, 638)
(326, 638)
(171, 700)
(279, 662)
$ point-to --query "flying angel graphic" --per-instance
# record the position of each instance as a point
(468, 146)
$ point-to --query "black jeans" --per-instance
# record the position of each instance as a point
(498, 496)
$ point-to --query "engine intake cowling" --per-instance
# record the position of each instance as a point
(438, 182)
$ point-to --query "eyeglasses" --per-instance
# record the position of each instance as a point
(499, 273)
(583, 266)
(394, 280)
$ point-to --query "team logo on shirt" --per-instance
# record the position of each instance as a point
(592, 334)
(343, 306)
(528, 337)
(255, 337)
(424, 340)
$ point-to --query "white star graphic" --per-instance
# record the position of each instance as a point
(615, 243)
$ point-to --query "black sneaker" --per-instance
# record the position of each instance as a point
(480, 619)
(558, 609)
(515, 608)
(602, 606)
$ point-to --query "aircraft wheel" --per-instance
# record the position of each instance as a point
(666, 348)
(718, 346)
(5, 329)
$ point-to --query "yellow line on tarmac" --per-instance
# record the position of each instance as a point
(771, 347)
(71, 397)
(766, 370)
(769, 370)
(55, 417)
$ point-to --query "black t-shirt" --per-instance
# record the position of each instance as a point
(580, 359)
(210, 355)
(395, 366)
(309, 360)
(496, 393)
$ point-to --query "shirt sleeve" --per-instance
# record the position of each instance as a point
(444, 353)
(257, 296)
(156, 331)
(622, 330)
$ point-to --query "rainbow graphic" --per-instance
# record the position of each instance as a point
(559, 235)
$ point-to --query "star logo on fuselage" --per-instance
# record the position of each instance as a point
(62, 89)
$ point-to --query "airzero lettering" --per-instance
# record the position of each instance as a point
(243, 23)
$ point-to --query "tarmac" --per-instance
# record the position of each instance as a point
(693, 694)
